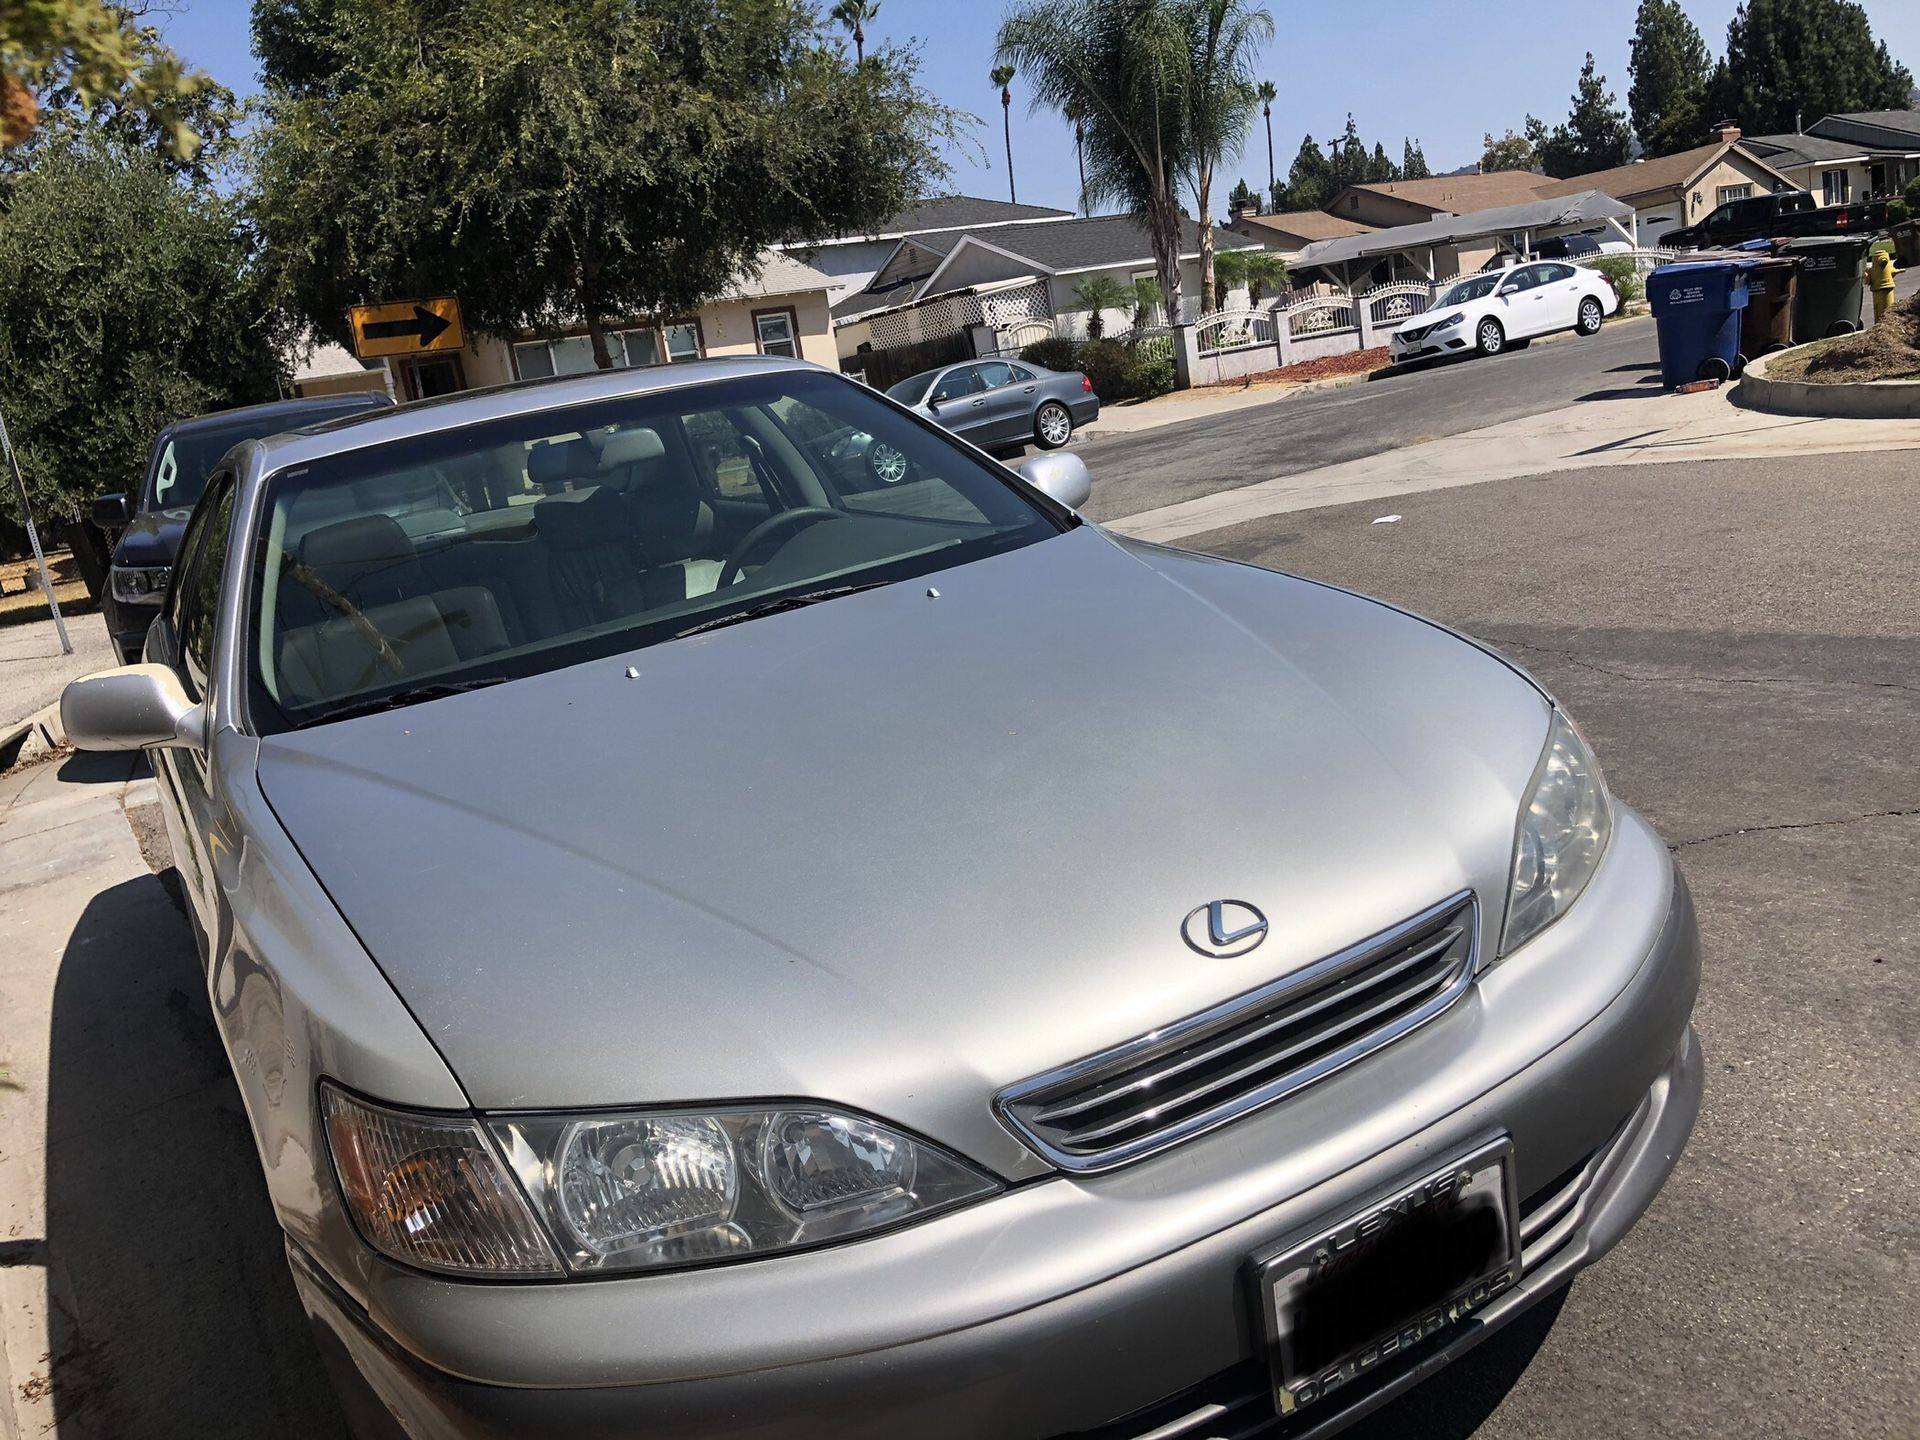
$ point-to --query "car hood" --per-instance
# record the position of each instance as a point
(152, 537)
(898, 850)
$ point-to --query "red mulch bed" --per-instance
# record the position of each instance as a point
(1356, 362)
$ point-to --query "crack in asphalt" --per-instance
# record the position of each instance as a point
(1574, 659)
(1745, 830)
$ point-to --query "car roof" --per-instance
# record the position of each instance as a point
(300, 408)
(499, 402)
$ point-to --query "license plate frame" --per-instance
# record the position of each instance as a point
(1457, 1196)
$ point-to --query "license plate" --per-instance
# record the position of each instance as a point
(1389, 1277)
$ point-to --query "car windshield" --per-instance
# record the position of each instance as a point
(909, 390)
(1474, 287)
(513, 547)
(185, 459)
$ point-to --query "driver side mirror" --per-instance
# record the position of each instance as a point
(1059, 474)
(112, 512)
(135, 707)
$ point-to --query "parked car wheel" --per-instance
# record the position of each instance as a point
(1590, 317)
(1490, 338)
(1052, 426)
(886, 464)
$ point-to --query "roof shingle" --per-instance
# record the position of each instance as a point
(1460, 194)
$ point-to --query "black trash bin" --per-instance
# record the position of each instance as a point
(1696, 316)
(1831, 284)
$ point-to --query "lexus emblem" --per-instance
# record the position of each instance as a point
(1224, 928)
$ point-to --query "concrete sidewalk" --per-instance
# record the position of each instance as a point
(1132, 417)
(1631, 426)
(32, 669)
(143, 1280)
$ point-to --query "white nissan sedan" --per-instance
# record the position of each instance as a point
(1492, 311)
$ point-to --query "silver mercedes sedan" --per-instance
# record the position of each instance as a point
(713, 943)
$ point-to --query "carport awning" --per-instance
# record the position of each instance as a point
(1446, 229)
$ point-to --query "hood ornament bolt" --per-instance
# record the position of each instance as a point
(932, 594)
(633, 672)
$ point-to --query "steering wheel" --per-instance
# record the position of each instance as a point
(774, 524)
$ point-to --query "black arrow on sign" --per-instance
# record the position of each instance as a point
(425, 326)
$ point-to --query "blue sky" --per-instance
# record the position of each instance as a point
(1382, 60)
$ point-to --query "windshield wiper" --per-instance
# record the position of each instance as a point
(411, 695)
(775, 607)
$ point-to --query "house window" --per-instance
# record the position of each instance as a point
(573, 354)
(683, 340)
(1877, 179)
(1731, 192)
(778, 332)
(1835, 188)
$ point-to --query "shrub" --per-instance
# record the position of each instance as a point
(1112, 368)
(1620, 270)
(1153, 375)
(1912, 194)
(1898, 212)
(1053, 352)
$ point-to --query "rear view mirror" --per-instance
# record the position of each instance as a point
(1061, 475)
(132, 708)
(111, 512)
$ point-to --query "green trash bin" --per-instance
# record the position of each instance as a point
(1831, 285)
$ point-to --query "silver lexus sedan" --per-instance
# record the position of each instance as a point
(715, 944)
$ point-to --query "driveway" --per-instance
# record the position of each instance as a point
(1132, 473)
(1740, 640)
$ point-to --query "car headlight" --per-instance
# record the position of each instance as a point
(1563, 831)
(140, 584)
(626, 1191)
(1453, 319)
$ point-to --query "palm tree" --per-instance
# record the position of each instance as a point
(1003, 77)
(1255, 269)
(1124, 65)
(1146, 299)
(1268, 94)
(1097, 294)
(1225, 38)
(1078, 118)
(854, 14)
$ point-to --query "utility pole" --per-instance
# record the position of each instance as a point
(33, 537)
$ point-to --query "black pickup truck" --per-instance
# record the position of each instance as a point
(1782, 213)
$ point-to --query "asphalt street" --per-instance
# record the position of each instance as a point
(1741, 642)
(1324, 426)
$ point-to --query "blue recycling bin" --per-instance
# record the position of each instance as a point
(1696, 312)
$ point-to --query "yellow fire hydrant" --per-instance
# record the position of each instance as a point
(1880, 272)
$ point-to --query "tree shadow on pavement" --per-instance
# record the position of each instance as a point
(1456, 1402)
(170, 1309)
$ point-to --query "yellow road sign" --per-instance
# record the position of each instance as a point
(407, 327)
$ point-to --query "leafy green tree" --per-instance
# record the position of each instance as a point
(1242, 198)
(1309, 180)
(551, 161)
(128, 299)
(1595, 135)
(1379, 167)
(1413, 161)
(98, 53)
(854, 14)
(1097, 294)
(1670, 69)
(1002, 76)
(1510, 151)
(1789, 59)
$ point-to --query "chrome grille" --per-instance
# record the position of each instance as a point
(1251, 1051)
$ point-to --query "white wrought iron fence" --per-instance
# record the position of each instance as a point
(1231, 329)
(1396, 301)
(1318, 314)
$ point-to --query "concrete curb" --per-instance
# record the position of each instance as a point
(34, 738)
(1864, 400)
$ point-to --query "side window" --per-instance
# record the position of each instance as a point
(995, 373)
(722, 459)
(1021, 376)
(957, 382)
(1556, 272)
(197, 587)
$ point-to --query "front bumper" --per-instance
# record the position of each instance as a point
(1455, 340)
(1075, 1303)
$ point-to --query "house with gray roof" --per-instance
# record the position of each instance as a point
(848, 261)
(1007, 279)
(1862, 155)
